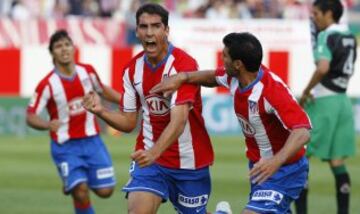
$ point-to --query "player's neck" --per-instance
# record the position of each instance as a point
(246, 78)
(66, 70)
(154, 61)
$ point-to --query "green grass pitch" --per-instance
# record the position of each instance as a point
(29, 182)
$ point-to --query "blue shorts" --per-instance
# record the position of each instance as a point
(276, 194)
(83, 160)
(188, 190)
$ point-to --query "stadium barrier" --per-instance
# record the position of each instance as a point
(25, 58)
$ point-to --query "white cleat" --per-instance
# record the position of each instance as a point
(223, 207)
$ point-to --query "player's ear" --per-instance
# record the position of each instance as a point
(167, 30)
(237, 64)
(136, 32)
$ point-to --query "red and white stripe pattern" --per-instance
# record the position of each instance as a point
(267, 112)
(62, 98)
(192, 149)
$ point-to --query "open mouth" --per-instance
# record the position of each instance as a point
(150, 45)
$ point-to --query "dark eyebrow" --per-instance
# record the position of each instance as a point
(150, 24)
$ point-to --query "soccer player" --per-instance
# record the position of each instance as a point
(173, 150)
(275, 126)
(330, 110)
(77, 150)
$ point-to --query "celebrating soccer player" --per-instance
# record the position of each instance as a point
(275, 126)
(173, 150)
(78, 152)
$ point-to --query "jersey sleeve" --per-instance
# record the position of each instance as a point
(284, 105)
(128, 101)
(39, 99)
(187, 92)
(95, 79)
(322, 50)
(221, 77)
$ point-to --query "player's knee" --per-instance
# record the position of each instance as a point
(246, 211)
(336, 163)
(104, 192)
(81, 192)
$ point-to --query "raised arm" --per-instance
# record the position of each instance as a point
(111, 95)
(122, 121)
(172, 83)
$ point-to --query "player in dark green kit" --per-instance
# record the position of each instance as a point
(325, 99)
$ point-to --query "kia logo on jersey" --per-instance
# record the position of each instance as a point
(157, 105)
(75, 106)
(246, 127)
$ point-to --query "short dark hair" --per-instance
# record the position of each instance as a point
(245, 47)
(152, 8)
(59, 34)
(334, 6)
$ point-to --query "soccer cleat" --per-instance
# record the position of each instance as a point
(223, 207)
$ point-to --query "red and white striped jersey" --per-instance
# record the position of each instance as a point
(267, 112)
(62, 97)
(192, 150)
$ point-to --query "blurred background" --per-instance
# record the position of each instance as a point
(104, 34)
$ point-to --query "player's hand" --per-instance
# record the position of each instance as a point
(168, 85)
(264, 169)
(91, 102)
(143, 157)
(54, 125)
(305, 97)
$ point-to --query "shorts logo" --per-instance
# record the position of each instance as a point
(157, 105)
(196, 201)
(246, 127)
(267, 195)
(105, 173)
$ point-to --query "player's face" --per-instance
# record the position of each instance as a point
(153, 35)
(63, 52)
(228, 63)
(319, 18)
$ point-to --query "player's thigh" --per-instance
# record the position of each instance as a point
(70, 166)
(147, 179)
(101, 173)
(190, 190)
(344, 136)
(322, 113)
(143, 202)
(276, 194)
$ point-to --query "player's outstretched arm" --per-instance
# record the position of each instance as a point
(122, 121)
(38, 123)
(111, 95)
(179, 117)
(172, 83)
(265, 168)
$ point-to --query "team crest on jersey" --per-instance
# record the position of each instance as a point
(253, 107)
(157, 105)
(246, 127)
(75, 106)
